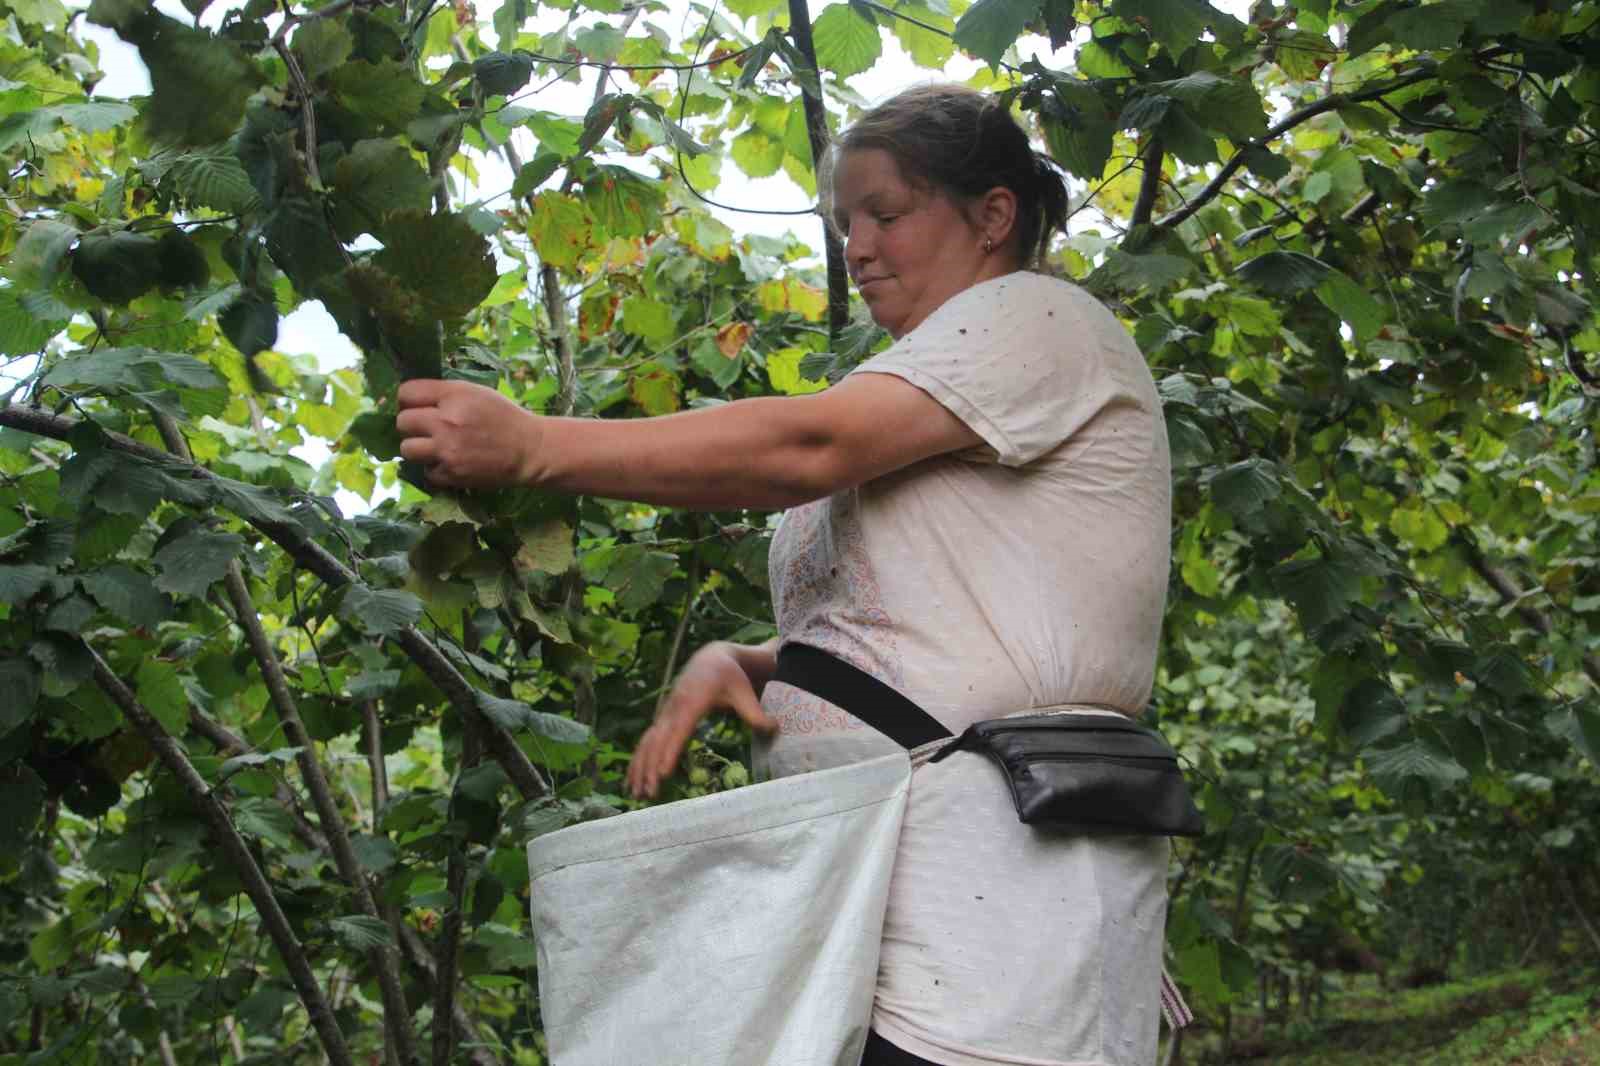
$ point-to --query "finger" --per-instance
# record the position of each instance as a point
(421, 392)
(748, 707)
(415, 421)
(422, 450)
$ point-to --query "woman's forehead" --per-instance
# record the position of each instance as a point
(864, 174)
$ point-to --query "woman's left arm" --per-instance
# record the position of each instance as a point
(763, 453)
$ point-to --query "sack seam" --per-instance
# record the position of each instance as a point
(900, 791)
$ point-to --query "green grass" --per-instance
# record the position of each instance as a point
(1522, 1018)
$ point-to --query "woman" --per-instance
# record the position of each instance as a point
(978, 517)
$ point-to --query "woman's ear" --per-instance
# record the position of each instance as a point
(995, 215)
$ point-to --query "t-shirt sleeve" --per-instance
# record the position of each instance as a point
(1025, 360)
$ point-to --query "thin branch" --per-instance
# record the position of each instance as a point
(227, 743)
(385, 960)
(817, 136)
(1295, 118)
(1150, 184)
(1509, 593)
(310, 555)
(691, 590)
(449, 948)
(233, 846)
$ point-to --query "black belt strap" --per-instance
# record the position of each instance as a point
(858, 692)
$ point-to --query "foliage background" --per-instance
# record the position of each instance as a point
(272, 766)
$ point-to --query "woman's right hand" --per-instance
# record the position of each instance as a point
(713, 679)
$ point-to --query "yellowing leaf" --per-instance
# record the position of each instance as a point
(353, 471)
(647, 318)
(732, 337)
(655, 389)
(560, 228)
(783, 370)
(757, 154)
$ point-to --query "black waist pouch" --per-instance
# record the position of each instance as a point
(1081, 773)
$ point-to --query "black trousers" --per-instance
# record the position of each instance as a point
(880, 1052)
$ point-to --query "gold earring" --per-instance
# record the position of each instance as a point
(988, 244)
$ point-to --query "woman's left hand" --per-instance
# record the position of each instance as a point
(467, 436)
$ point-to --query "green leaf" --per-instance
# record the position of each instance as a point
(1370, 712)
(116, 267)
(1154, 271)
(21, 583)
(536, 173)
(250, 323)
(179, 261)
(1077, 128)
(1297, 874)
(1177, 24)
(20, 681)
(379, 611)
(927, 47)
(323, 45)
(192, 561)
(377, 434)
(989, 27)
(502, 73)
(546, 547)
(161, 692)
(635, 573)
(1245, 488)
(1229, 105)
(1579, 724)
(756, 153)
(129, 594)
(36, 260)
(1419, 759)
(375, 854)
(847, 42)
(232, 766)
(22, 331)
(374, 179)
(516, 716)
(648, 319)
(361, 932)
(199, 83)
(385, 92)
(1283, 273)
(1320, 589)
(441, 258)
(1341, 294)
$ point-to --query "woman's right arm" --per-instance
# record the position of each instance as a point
(719, 677)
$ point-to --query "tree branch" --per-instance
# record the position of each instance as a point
(444, 987)
(310, 555)
(384, 960)
(817, 134)
(172, 756)
(1509, 593)
(1295, 118)
(1150, 185)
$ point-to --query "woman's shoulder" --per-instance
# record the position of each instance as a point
(1021, 300)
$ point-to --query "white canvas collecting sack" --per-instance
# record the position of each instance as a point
(738, 929)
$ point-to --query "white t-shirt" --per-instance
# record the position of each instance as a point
(1029, 572)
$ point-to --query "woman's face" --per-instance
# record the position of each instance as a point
(908, 249)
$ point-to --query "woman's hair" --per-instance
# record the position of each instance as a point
(963, 143)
